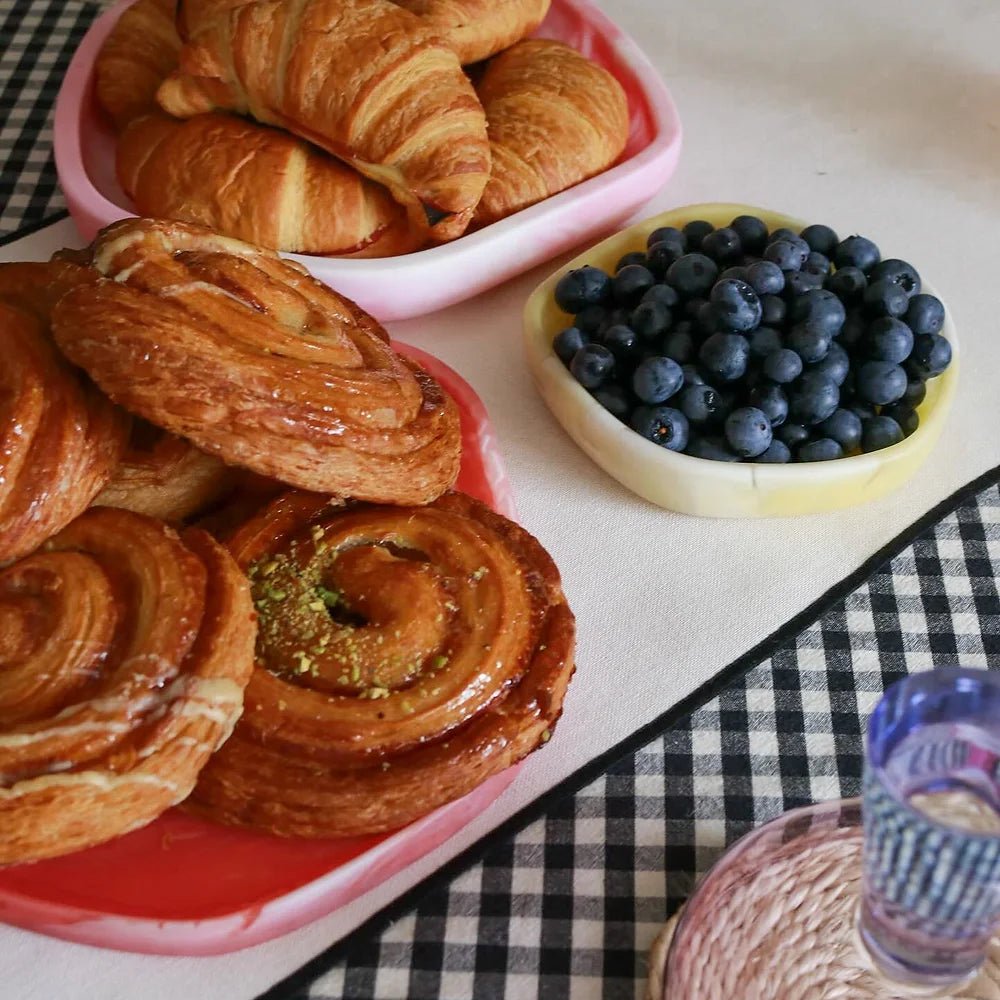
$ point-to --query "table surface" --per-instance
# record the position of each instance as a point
(564, 898)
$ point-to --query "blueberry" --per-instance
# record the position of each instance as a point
(809, 343)
(631, 283)
(931, 355)
(789, 236)
(880, 382)
(864, 411)
(916, 391)
(764, 341)
(660, 256)
(663, 294)
(581, 287)
(592, 365)
(904, 415)
(650, 320)
(699, 403)
(695, 232)
(613, 317)
(707, 320)
(667, 234)
(786, 255)
(751, 231)
(847, 283)
(792, 434)
(844, 427)
(812, 398)
(856, 251)
(679, 345)
(739, 272)
(820, 450)
(899, 272)
(765, 277)
(685, 326)
(692, 307)
(590, 320)
(722, 245)
(691, 375)
(888, 339)
(567, 342)
(663, 425)
(818, 264)
(835, 366)
(712, 448)
(735, 303)
(725, 356)
(656, 379)
(615, 400)
(627, 260)
(693, 274)
(777, 453)
(771, 400)
(773, 310)
(819, 310)
(925, 314)
(821, 239)
(623, 342)
(800, 282)
(880, 432)
(885, 298)
(853, 331)
(782, 365)
(748, 431)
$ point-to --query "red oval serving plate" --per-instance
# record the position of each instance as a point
(183, 886)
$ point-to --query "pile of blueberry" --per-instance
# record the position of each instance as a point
(742, 344)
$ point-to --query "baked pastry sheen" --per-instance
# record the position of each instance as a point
(404, 656)
(555, 119)
(255, 361)
(124, 651)
(363, 79)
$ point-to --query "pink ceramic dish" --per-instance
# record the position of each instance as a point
(429, 279)
(183, 886)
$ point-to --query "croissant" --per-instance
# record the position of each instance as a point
(257, 184)
(363, 79)
(59, 438)
(255, 361)
(124, 652)
(555, 119)
(141, 50)
(404, 656)
(478, 29)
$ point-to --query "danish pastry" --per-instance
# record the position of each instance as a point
(124, 651)
(255, 361)
(403, 657)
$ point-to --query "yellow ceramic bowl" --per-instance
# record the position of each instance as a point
(696, 485)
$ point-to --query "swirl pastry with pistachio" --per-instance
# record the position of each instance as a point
(404, 656)
(255, 361)
(124, 652)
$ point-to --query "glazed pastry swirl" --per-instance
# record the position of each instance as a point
(124, 651)
(257, 362)
(404, 656)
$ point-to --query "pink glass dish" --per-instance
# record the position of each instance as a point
(441, 276)
(183, 886)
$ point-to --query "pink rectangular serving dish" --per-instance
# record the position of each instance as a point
(418, 283)
(183, 886)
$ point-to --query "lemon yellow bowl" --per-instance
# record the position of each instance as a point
(699, 486)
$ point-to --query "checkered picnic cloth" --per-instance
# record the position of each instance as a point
(565, 898)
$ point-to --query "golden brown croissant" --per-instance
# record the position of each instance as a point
(555, 119)
(141, 50)
(477, 29)
(363, 79)
(404, 656)
(257, 184)
(124, 651)
(257, 362)
(59, 438)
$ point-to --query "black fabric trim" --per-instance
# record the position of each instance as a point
(289, 988)
(33, 227)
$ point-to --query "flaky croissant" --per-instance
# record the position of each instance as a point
(555, 119)
(477, 29)
(124, 652)
(255, 361)
(257, 184)
(363, 79)
(404, 656)
(141, 50)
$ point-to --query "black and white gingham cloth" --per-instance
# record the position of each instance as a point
(565, 904)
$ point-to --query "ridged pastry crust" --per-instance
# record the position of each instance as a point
(124, 651)
(363, 79)
(257, 184)
(555, 119)
(140, 52)
(404, 656)
(255, 361)
(478, 29)
(59, 438)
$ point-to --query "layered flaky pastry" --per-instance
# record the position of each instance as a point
(124, 651)
(404, 656)
(257, 362)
